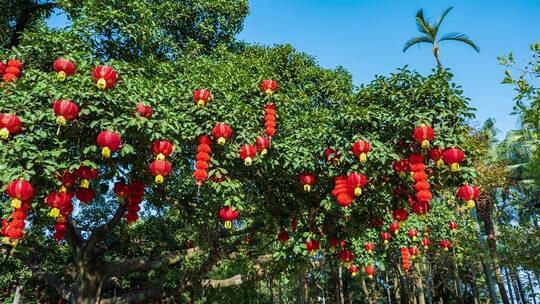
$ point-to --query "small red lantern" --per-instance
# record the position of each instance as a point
(354, 270)
(269, 86)
(347, 257)
(312, 246)
(357, 181)
(413, 234)
(413, 252)
(400, 214)
(60, 203)
(453, 156)
(332, 155)
(423, 135)
(262, 144)
(394, 227)
(121, 190)
(60, 229)
(247, 153)
(436, 155)
(201, 97)
(308, 180)
(15, 63)
(370, 271)
(369, 247)
(426, 242)
(401, 166)
(105, 77)
(469, 194)
(360, 149)
(445, 244)
(162, 149)
(416, 159)
(222, 132)
(333, 242)
(452, 225)
(85, 195)
(65, 110)
(144, 111)
(86, 174)
(9, 125)
(385, 236)
(108, 141)
(160, 169)
(64, 68)
(13, 70)
(19, 190)
(283, 236)
(228, 214)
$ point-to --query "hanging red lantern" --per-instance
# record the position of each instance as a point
(131, 217)
(400, 215)
(354, 270)
(8, 77)
(108, 141)
(413, 252)
(144, 111)
(121, 190)
(370, 271)
(283, 236)
(270, 120)
(19, 190)
(333, 242)
(105, 77)
(15, 63)
(65, 110)
(294, 223)
(420, 208)
(347, 257)
(262, 144)
(332, 156)
(64, 68)
(60, 204)
(401, 167)
(160, 169)
(453, 157)
(445, 245)
(228, 214)
(469, 194)
(2, 67)
(312, 246)
(162, 149)
(436, 155)
(60, 229)
(247, 153)
(203, 149)
(343, 192)
(420, 176)
(423, 196)
(357, 181)
(421, 186)
(201, 97)
(13, 70)
(86, 174)
(426, 242)
(413, 234)
(405, 259)
(452, 225)
(418, 167)
(222, 132)
(85, 195)
(416, 159)
(385, 236)
(9, 125)
(360, 149)
(307, 180)
(394, 227)
(369, 247)
(200, 175)
(423, 134)
(269, 86)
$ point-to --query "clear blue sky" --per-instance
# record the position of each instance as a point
(366, 37)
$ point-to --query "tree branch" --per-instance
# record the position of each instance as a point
(47, 277)
(100, 231)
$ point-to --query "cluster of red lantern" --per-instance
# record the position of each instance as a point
(203, 157)
(11, 71)
(105, 77)
(85, 194)
(63, 67)
(270, 120)
(108, 141)
(9, 125)
(307, 180)
(61, 208)
(132, 195)
(469, 194)
(421, 205)
(201, 97)
(361, 149)
(348, 187)
(20, 192)
(228, 214)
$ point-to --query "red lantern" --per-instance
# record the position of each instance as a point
(201, 97)
(200, 175)
(270, 120)
(294, 223)
(413, 252)
(331, 155)
(308, 180)
(370, 271)
(283, 236)
(420, 208)
(346, 256)
(9, 125)
(86, 174)
(360, 149)
(8, 77)
(445, 244)
(425, 243)
(405, 259)
(420, 176)
(423, 196)
(85, 195)
(469, 194)
(333, 242)
(394, 227)
(385, 236)
(105, 77)
(13, 70)
(452, 225)
(418, 167)
(421, 186)
(400, 214)
(343, 191)
(203, 156)
(354, 270)
(160, 169)
(416, 159)
(108, 141)
(312, 246)
(436, 155)
(60, 204)
(162, 149)
(413, 234)
(262, 144)
(144, 111)
(2, 67)
(247, 153)
(269, 86)
(15, 63)
(59, 230)
(222, 132)
(423, 135)
(453, 157)
(65, 110)
(357, 181)
(370, 247)
(64, 68)
(19, 190)
(401, 166)
(228, 214)
(121, 190)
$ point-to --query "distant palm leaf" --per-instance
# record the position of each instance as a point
(459, 37)
(441, 18)
(416, 40)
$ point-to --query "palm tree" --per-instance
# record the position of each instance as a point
(430, 32)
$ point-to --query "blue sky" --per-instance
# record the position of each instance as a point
(366, 37)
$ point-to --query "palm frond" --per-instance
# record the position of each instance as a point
(460, 37)
(416, 40)
(423, 26)
(441, 18)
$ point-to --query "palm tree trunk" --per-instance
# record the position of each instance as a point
(531, 287)
(437, 57)
(510, 285)
(519, 285)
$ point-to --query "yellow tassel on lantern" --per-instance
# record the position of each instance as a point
(61, 120)
(307, 188)
(357, 191)
(414, 238)
(335, 161)
(454, 167)
(402, 174)
(55, 212)
(63, 189)
(425, 144)
(60, 219)
(5, 240)
(445, 248)
(248, 161)
(61, 76)
(426, 247)
(106, 152)
(440, 163)
(471, 204)
(413, 257)
(385, 241)
(370, 277)
(269, 92)
(363, 157)
(159, 179)
(14, 243)
(313, 253)
(221, 140)
(200, 103)
(16, 203)
(160, 156)
(370, 251)
(263, 152)
(228, 224)
(4, 133)
(101, 83)
(353, 274)
(85, 183)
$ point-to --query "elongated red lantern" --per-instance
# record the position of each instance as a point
(269, 86)
(369, 247)
(160, 169)
(468, 194)
(423, 134)
(203, 156)
(343, 192)
(222, 132)
(360, 149)
(86, 174)
(385, 236)
(453, 157)
(307, 180)
(121, 190)
(65, 110)
(105, 77)
(19, 190)
(262, 144)
(247, 153)
(9, 125)
(162, 149)
(357, 181)
(228, 214)
(370, 271)
(270, 120)
(64, 68)
(108, 141)
(201, 97)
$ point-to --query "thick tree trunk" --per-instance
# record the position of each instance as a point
(510, 285)
(419, 287)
